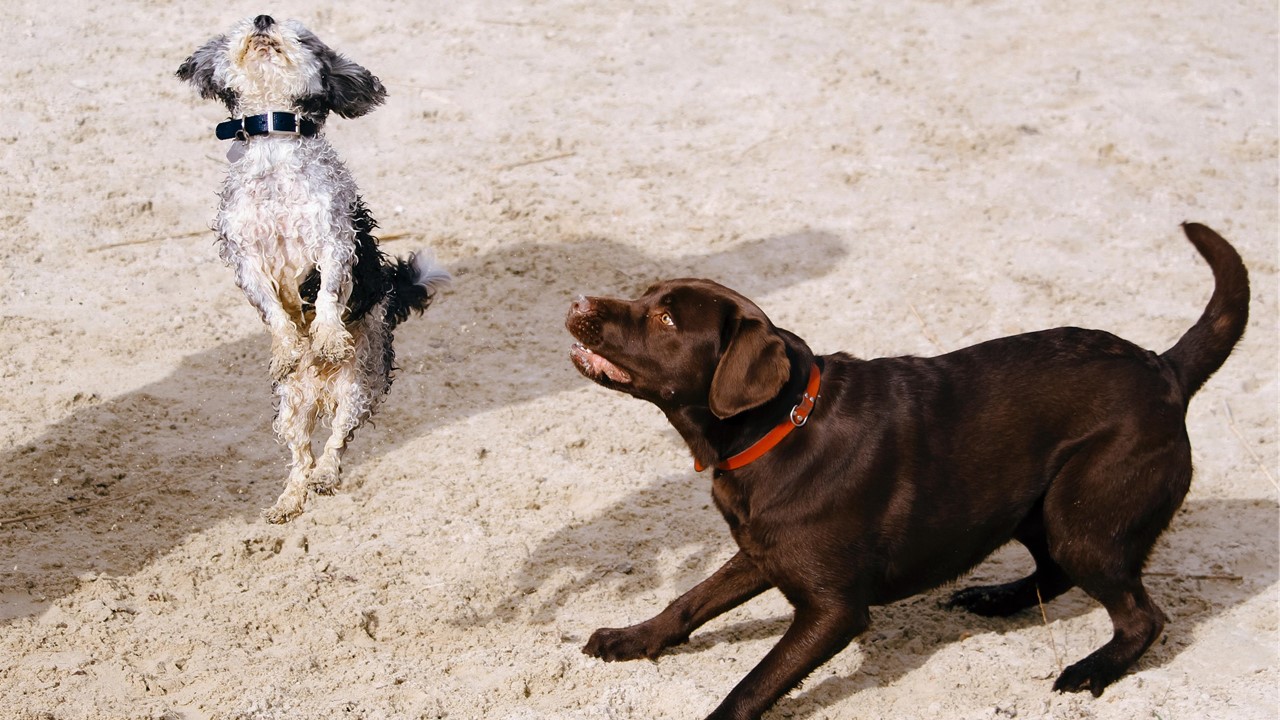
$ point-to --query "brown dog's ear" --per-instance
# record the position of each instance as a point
(752, 370)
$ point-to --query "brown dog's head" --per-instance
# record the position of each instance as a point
(684, 343)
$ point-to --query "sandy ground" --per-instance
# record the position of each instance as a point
(901, 179)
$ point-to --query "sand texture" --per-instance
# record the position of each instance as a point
(882, 178)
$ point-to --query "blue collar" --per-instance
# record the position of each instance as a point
(265, 124)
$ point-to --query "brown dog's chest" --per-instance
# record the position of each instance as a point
(733, 501)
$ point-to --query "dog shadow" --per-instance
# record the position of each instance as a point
(674, 514)
(672, 517)
(120, 481)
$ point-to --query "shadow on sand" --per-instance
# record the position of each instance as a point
(674, 513)
(118, 482)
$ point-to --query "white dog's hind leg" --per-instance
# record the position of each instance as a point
(299, 398)
(351, 407)
(354, 391)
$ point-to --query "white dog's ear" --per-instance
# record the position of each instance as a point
(353, 90)
(201, 71)
(350, 90)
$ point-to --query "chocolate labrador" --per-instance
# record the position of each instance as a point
(848, 483)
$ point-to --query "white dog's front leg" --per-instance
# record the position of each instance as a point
(329, 337)
(263, 293)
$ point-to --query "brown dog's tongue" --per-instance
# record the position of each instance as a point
(614, 372)
(599, 365)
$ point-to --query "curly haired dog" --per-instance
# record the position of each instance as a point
(293, 227)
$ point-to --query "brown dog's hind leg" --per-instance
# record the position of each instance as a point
(1103, 514)
(733, 584)
(1137, 621)
(1047, 582)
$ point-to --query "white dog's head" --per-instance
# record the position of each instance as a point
(261, 66)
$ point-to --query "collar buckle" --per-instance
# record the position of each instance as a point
(800, 413)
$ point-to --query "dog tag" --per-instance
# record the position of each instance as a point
(236, 152)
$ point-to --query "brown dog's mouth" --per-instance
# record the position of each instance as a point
(597, 366)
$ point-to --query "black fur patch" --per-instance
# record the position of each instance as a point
(369, 281)
(199, 69)
(313, 107)
(407, 296)
(350, 89)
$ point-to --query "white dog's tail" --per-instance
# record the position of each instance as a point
(414, 284)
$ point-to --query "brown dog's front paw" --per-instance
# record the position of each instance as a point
(632, 643)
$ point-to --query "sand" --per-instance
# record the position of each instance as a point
(905, 179)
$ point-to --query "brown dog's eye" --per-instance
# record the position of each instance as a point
(666, 320)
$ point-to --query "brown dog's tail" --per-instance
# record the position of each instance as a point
(1203, 349)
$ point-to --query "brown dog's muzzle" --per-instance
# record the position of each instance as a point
(585, 324)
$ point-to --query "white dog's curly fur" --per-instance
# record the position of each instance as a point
(292, 226)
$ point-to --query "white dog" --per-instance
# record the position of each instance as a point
(298, 235)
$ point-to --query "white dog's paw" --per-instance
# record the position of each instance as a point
(332, 343)
(291, 501)
(285, 509)
(325, 481)
(285, 354)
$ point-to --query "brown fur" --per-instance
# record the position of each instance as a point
(912, 470)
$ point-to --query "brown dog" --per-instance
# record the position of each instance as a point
(849, 483)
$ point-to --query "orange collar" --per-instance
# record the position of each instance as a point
(799, 416)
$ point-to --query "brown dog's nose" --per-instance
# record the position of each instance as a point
(262, 22)
(580, 305)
